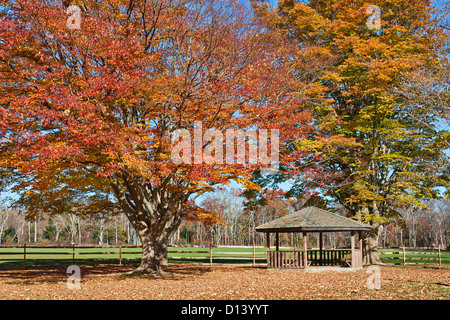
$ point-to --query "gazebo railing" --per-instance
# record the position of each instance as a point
(330, 257)
(285, 259)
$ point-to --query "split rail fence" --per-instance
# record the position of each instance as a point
(418, 256)
(38, 255)
(26, 255)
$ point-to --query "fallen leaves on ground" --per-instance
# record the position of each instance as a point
(188, 281)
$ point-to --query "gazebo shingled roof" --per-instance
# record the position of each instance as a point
(313, 219)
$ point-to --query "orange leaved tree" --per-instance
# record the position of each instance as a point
(98, 94)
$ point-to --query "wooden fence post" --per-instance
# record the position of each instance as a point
(404, 256)
(210, 254)
(24, 254)
(254, 254)
(120, 255)
(439, 255)
(73, 253)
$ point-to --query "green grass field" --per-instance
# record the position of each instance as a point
(63, 256)
(232, 255)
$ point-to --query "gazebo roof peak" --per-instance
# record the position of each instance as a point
(313, 219)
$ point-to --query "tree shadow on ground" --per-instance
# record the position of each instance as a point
(53, 274)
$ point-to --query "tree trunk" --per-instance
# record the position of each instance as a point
(154, 252)
(79, 230)
(100, 236)
(155, 214)
(154, 255)
(128, 233)
(370, 245)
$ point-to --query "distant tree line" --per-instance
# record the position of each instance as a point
(65, 229)
(417, 228)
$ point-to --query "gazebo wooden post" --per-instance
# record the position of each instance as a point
(269, 262)
(360, 240)
(277, 241)
(277, 249)
(320, 248)
(353, 249)
(360, 247)
(305, 253)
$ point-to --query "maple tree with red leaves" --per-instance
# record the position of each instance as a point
(88, 113)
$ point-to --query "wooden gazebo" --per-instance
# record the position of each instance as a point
(313, 219)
